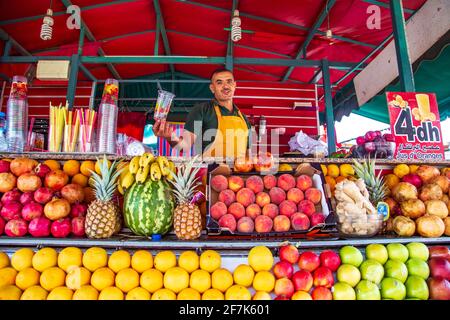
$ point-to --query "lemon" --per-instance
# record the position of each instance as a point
(80, 179)
(413, 168)
(102, 278)
(142, 260)
(189, 294)
(200, 280)
(260, 258)
(189, 261)
(86, 292)
(98, 163)
(238, 292)
(60, 293)
(110, 293)
(44, 259)
(346, 170)
(27, 278)
(243, 275)
(261, 295)
(401, 170)
(7, 276)
(176, 279)
(86, 167)
(127, 279)
(52, 277)
(95, 258)
(391, 180)
(165, 260)
(324, 169)
(34, 293)
(333, 170)
(71, 167)
(152, 280)
(285, 167)
(164, 294)
(210, 260)
(78, 277)
(138, 293)
(213, 294)
(264, 281)
(221, 279)
(22, 259)
(4, 260)
(119, 260)
(10, 292)
(70, 258)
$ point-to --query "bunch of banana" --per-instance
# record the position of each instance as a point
(144, 166)
(126, 179)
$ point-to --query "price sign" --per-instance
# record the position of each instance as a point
(415, 125)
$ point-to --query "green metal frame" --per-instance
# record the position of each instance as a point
(401, 47)
(165, 39)
(331, 137)
(319, 20)
(316, 77)
(386, 5)
(8, 47)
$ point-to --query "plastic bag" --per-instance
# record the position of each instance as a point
(307, 145)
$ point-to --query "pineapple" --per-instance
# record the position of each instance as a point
(103, 218)
(375, 183)
(187, 219)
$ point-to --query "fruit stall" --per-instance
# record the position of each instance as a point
(90, 212)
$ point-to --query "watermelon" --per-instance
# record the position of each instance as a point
(148, 208)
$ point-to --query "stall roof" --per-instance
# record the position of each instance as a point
(271, 30)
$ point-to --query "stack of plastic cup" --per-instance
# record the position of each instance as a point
(17, 115)
(107, 118)
(163, 104)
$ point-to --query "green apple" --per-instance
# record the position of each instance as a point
(396, 269)
(348, 274)
(378, 252)
(351, 255)
(343, 291)
(416, 287)
(372, 270)
(397, 251)
(418, 250)
(417, 267)
(392, 288)
(366, 290)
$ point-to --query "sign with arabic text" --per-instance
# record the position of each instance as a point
(415, 125)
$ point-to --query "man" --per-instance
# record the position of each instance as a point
(217, 127)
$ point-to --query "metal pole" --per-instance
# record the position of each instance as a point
(331, 138)
(401, 47)
(72, 86)
(8, 46)
(93, 91)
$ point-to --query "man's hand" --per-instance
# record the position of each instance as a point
(162, 129)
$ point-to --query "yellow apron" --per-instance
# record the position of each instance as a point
(231, 136)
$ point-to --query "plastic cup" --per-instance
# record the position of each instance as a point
(163, 104)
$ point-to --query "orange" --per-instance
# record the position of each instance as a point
(238, 292)
(52, 164)
(86, 167)
(264, 281)
(127, 279)
(52, 278)
(331, 182)
(260, 258)
(213, 294)
(71, 167)
(4, 260)
(391, 180)
(80, 179)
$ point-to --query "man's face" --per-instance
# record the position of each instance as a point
(223, 86)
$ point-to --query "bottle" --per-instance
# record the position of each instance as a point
(3, 142)
(17, 115)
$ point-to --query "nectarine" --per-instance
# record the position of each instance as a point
(262, 199)
(252, 211)
(281, 223)
(270, 210)
(304, 182)
(277, 195)
(286, 182)
(245, 197)
(287, 208)
(218, 210)
(219, 183)
(255, 183)
(228, 221)
(227, 196)
(295, 195)
(270, 181)
(235, 183)
(300, 221)
(263, 224)
(237, 210)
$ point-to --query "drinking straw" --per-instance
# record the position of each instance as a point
(28, 145)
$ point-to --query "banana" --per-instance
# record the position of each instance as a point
(155, 171)
(119, 188)
(127, 181)
(163, 164)
(172, 170)
(146, 159)
(134, 164)
(125, 170)
(142, 174)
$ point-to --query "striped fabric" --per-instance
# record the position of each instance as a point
(164, 148)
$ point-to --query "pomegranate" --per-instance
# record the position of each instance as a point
(41, 170)
(16, 228)
(26, 197)
(11, 211)
(4, 166)
(78, 226)
(439, 288)
(56, 180)
(73, 193)
(43, 195)
(10, 196)
(2, 226)
(32, 210)
(19, 166)
(78, 210)
(61, 228)
(442, 182)
(57, 209)
(414, 179)
(39, 227)
(29, 182)
(7, 182)
(427, 173)
(404, 191)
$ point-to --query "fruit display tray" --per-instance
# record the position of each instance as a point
(324, 230)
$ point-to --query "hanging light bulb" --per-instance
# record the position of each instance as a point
(236, 32)
(329, 34)
(47, 26)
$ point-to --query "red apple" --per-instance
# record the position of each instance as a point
(321, 293)
(323, 277)
(439, 252)
(289, 253)
(284, 287)
(330, 259)
(302, 280)
(308, 261)
(282, 297)
(439, 288)
(283, 269)
(439, 267)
